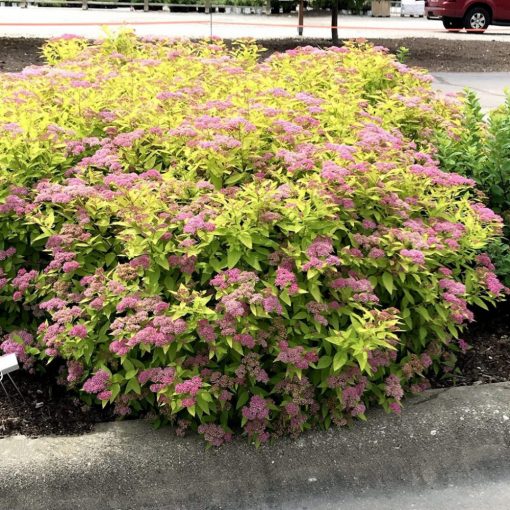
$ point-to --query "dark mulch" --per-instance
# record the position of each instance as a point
(46, 408)
(17, 53)
(433, 54)
(436, 55)
(488, 359)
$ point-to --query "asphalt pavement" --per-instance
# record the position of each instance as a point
(450, 449)
(490, 88)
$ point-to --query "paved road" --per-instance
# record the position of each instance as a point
(227, 26)
(484, 495)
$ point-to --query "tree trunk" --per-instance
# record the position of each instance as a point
(301, 17)
(334, 22)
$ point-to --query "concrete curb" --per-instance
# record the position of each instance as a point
(443, 438)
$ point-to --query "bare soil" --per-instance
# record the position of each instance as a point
(433, 54)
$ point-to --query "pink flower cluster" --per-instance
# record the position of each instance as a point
(454, 295)
(184, 263)
(17, 342)
(161, 377)
(74, 371)
(393, 388)
(196, 223)
(271, 304)
(190, 387)
(379, 358)
(320, 254)
(257, 409)
(296, 356)
(492, 283)
(215, 435)
(5, 254)
(416, 365)
(416, 256)
(97, 384)
(79, 331)
(361, 288)
(230, 277)
(286, 279)
(206, 330)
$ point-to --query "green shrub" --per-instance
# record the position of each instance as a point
(234, 244)
(480, 149)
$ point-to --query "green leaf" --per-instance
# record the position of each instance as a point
(243, 398)
(126, 363)
(362, 359)
(130, 374)
(479, 302)
(423, 312)
(339, 360)
(206, 396)
(233, 256)
(238, 348)
(387, 280)
(324, 362)
(245, 238)
(337, 340)
(115, 389)
(253, 259)
(162, 260)
(315, 292)
(133, 385)
(202, 403)
(284, 296)
(109, 258)
(215, 263)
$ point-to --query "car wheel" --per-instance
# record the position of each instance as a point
(453, 23)
(477, 19)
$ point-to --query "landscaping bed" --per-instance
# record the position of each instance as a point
(45, 408)
(49, 409)
(239, 247)
(433, 54)
(488, 359)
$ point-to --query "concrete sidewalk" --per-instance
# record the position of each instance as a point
(450, 449)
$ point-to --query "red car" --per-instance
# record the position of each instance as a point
(473, 15)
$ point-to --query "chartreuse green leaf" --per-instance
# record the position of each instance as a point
(387, 280)
(339, 360)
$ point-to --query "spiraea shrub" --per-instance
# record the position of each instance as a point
(234, 244)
